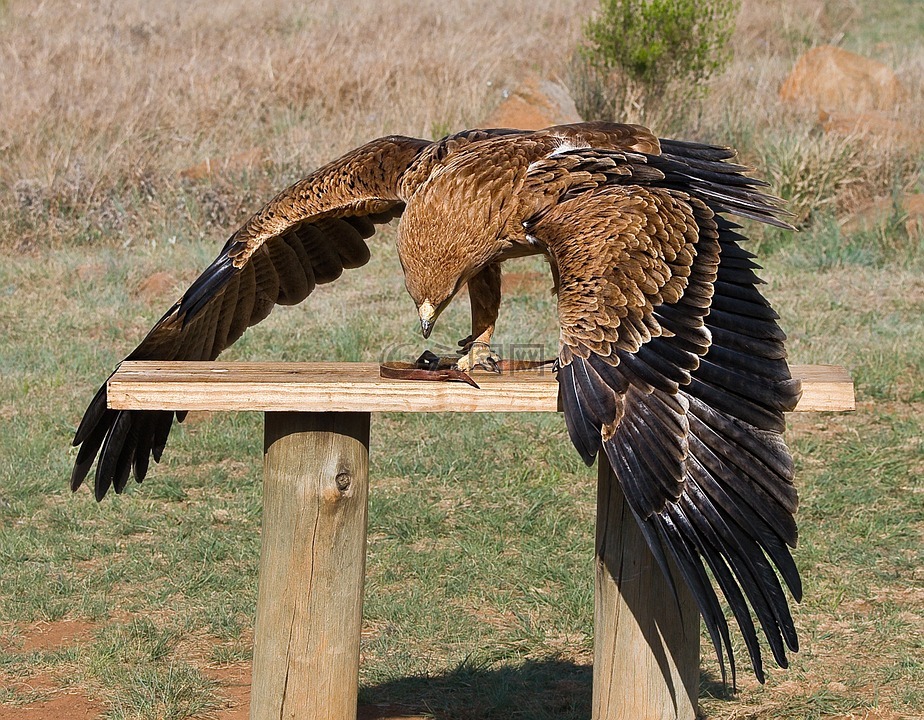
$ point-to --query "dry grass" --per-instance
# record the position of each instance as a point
(99, 118)
(104, 112)
(820, 174)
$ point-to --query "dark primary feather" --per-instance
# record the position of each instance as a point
(583, 427)
(690, 419)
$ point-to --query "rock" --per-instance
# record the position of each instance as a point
(235, 164)
(534, 105)
(831, 79)
(872, 123)
(914, 208)
(157, 286)
(910, 206)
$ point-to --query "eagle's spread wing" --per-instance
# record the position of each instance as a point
(307, 235)
(672, 362)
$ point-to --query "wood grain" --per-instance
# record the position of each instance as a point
(312, 566)
(646, 642)
(357, 387)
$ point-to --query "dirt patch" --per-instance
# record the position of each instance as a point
(52, 703)
(156, 286)
(522, 283)
(44, 636)
(235, 690)
(65, 706)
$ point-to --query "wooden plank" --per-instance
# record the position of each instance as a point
(646, 653)
(312, 565)
(825, 387)
(357, 387)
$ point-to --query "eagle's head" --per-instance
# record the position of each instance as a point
(442, 250)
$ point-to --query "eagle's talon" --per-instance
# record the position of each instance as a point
(479, 355)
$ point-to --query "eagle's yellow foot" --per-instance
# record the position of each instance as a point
(478, 355)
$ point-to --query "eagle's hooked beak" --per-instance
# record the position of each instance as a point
(427, 317)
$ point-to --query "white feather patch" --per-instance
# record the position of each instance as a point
(567, 146)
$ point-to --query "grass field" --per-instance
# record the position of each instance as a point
(479, 590)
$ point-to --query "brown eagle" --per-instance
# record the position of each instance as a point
(670, 358)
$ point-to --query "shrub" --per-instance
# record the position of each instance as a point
(651, 56)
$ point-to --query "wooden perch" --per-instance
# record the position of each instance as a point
(312, 562)
(357, 387)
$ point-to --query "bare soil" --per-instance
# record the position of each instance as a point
(54, 701)
(235, 690)
(43, 636)
(62, 705)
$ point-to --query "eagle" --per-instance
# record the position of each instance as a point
(670, 361)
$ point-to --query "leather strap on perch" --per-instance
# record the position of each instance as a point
(430, 366)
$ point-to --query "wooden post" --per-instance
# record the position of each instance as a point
(312, 565)
(646, 653)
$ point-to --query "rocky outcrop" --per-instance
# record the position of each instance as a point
(157, 286)
(831, 79)
(534, 105)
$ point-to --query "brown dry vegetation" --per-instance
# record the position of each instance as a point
(817, 173)
(124, 95)
(100, 117)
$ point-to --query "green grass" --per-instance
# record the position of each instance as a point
(481, 527)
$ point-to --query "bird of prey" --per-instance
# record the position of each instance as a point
(670, 359)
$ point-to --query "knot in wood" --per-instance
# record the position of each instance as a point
(344, 481)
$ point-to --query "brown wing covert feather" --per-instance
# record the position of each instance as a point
(305, 236)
